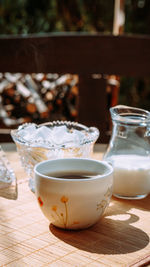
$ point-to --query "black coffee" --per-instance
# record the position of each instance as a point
(72, 175)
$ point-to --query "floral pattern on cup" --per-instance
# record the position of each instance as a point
(40, 201)
(64, 217)
(103, 203)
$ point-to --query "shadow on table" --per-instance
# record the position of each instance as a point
(113, 234)
(143, 204)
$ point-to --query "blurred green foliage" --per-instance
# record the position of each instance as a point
(135, 92)
(137, 13)
(36, 16)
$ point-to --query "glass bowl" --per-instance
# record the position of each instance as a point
(77, 140)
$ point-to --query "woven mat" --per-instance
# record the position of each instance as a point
(120, 238)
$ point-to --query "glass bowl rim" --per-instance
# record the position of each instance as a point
(93, 134)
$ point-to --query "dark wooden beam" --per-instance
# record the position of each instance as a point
(93, 110)
(76, 53)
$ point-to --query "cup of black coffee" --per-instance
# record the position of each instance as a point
(73, 193)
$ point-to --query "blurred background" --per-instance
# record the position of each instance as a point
(58, 95)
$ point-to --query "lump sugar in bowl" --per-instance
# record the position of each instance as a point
(52, 140)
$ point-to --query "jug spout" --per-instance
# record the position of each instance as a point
(130, 115)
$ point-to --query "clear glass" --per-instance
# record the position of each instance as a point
(34, 152)
(129, 152)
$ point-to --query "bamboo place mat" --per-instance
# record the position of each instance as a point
(120, 238)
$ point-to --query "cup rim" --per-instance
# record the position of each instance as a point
(108, 172)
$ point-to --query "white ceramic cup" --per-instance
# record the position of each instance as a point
(73, 203)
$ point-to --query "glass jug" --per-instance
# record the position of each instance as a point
(129, 152)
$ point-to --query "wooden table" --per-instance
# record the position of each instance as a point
(120, 238)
